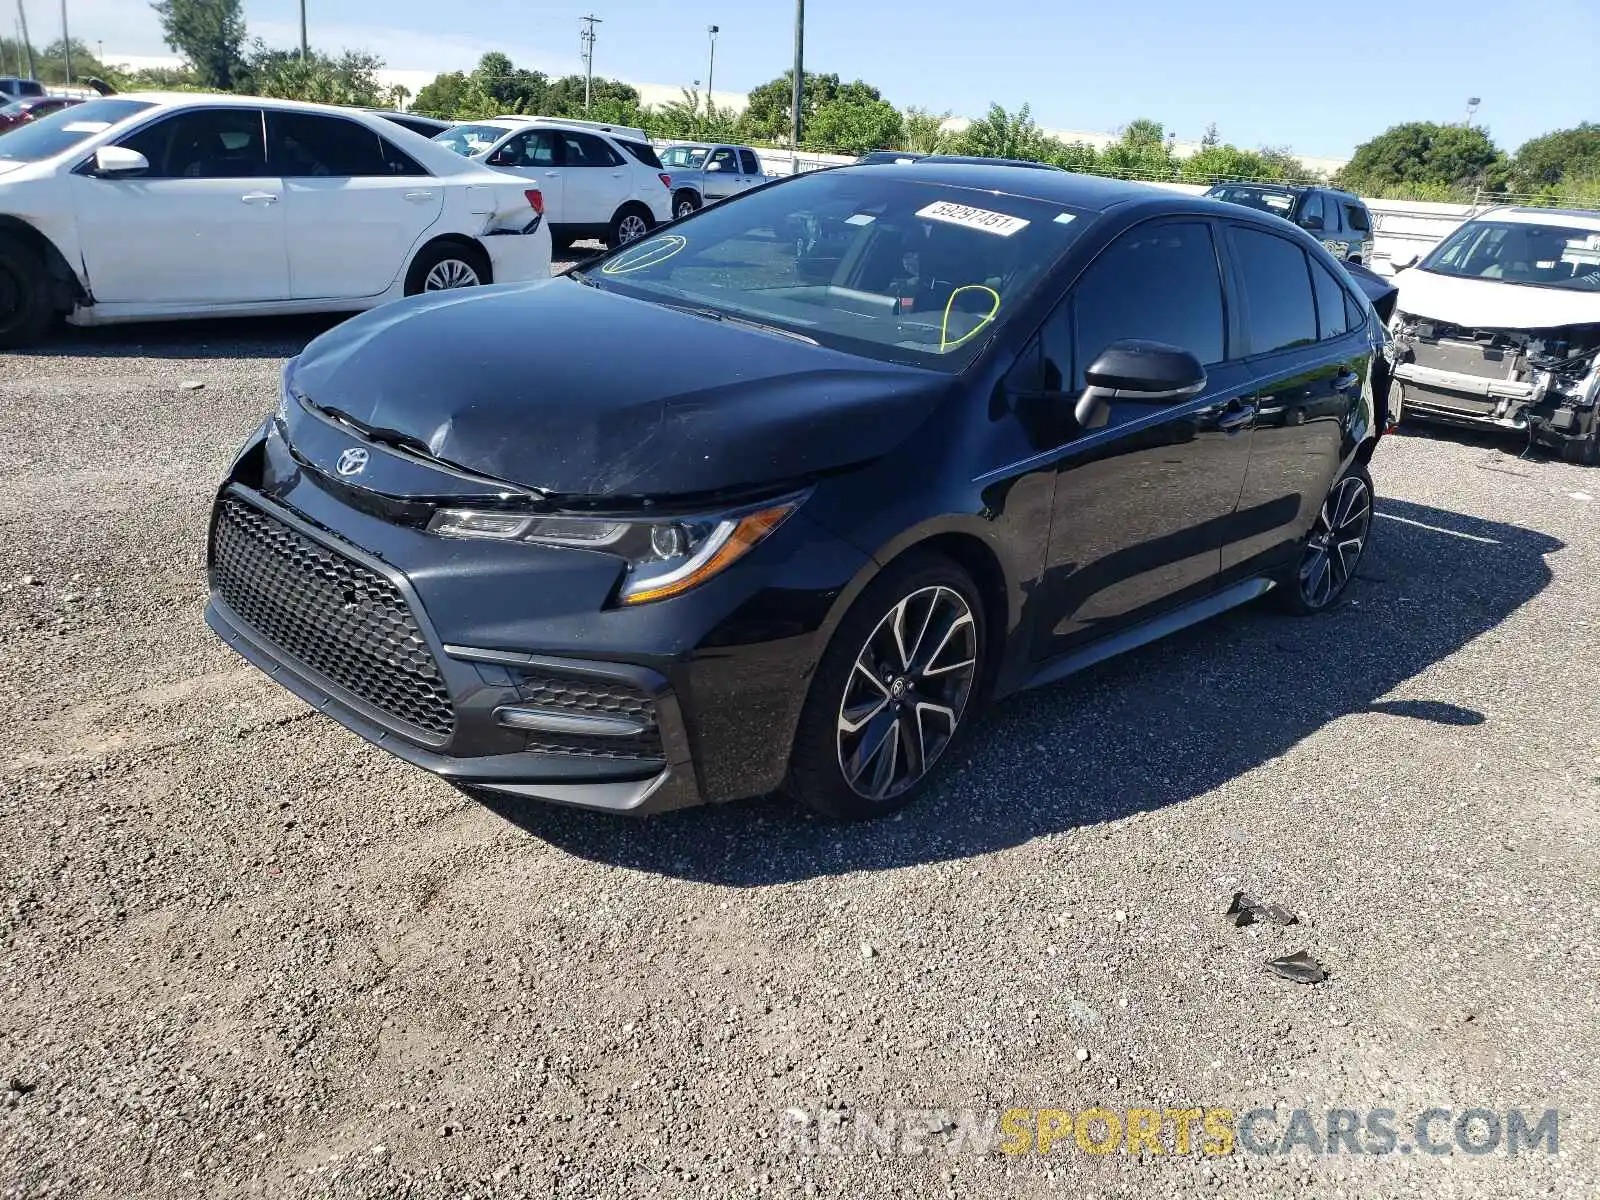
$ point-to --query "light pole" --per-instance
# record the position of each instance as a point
(66, 42)
(799, 82)
(305, 49)
(586, 37)
(22, 20)
(711, 71)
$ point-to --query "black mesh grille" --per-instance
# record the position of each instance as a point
(587, 696)
(330, 613)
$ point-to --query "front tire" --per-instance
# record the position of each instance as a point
(447, 266)
(892, 693)
(1332, 550)
(685, 203)
(25, 307)
(630, 224)
(1585, 452)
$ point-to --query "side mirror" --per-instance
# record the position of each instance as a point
(113, 161)
(1145, 372)
(713, 166)
(1314, 224)
(1403, 258)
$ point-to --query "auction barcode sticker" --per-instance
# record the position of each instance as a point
(973, 218)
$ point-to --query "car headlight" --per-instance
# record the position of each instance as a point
(665, 557)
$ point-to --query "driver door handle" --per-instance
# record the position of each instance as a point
(1235, 417)
(259, 198)
(1345, 380)
(419, 197)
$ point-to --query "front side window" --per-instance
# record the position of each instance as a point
(203, 143)
(1541, 255)
(60, 131)
(1311, 215)
(892, 269)
(1277, 291)
(1157, 282)
(725, 160)
(308, 144)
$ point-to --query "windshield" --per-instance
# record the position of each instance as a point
(893, 269)
(467, 140)
(65, 128)
(1553, 255)
(692, 157)
(1278, 203)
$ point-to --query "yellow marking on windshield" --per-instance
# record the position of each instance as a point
(649, 254)
(944, 326)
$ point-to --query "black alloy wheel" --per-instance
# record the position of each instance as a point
(892, 692)
(1332, 550)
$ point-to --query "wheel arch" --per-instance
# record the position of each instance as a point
(692, 193)
(67, 287)
(460, 241)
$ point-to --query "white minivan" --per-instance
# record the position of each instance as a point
(598, 180)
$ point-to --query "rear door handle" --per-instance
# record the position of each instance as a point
(419, 197)
(1345, 380)
(259, 198)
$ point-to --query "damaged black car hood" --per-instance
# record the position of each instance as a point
(577, 392)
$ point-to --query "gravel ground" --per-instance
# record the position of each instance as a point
(246, 954)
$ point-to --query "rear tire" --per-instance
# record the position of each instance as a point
(446, 266)
(896, 688)
(1331, 551)
(632, 222)
(26, 310)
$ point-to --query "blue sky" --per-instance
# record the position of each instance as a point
(1319, 77)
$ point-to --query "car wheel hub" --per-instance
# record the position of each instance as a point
(632, 228)
(1337, 539)
(451, 273)
(907, 692)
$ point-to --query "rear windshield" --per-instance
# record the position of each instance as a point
(467, 140)
(869, 263)
(65, 128)
(641, 151)
(1278, 203)
(1552, 256)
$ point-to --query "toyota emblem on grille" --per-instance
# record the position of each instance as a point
(353, 461)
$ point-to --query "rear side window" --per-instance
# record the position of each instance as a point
(1331, 301)
(22, 88)
(1158, 282)
(749, 162)
(1353, 314)
(310, 145)
(1355, 217)
(586, 150)
(1277, 290)
(644, 153)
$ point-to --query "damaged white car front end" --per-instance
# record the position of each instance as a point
(1500, 326)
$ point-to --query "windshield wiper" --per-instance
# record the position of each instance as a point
(713, 314)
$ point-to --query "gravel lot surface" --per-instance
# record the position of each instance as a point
(246, 954)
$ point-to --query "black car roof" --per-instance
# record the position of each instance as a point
(1095, 193)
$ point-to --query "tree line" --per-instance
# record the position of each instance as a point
(1413, 160)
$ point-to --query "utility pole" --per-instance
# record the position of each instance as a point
(586, 37)
(22, 20)
(799, 81)
(66, 42)
(305, 48)
(711, 71)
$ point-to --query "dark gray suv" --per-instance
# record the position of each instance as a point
(1339, 219)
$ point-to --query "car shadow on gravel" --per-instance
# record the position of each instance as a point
(1152, 728)
(222, 337)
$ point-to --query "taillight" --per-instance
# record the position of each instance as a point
(535, 198)
(666, 180)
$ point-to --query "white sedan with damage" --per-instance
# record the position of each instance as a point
(148, 206)
(1500, 326)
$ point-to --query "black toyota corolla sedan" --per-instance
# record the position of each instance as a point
(736, 508)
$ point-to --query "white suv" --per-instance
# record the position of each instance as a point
(599, 181)
(142, 206)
